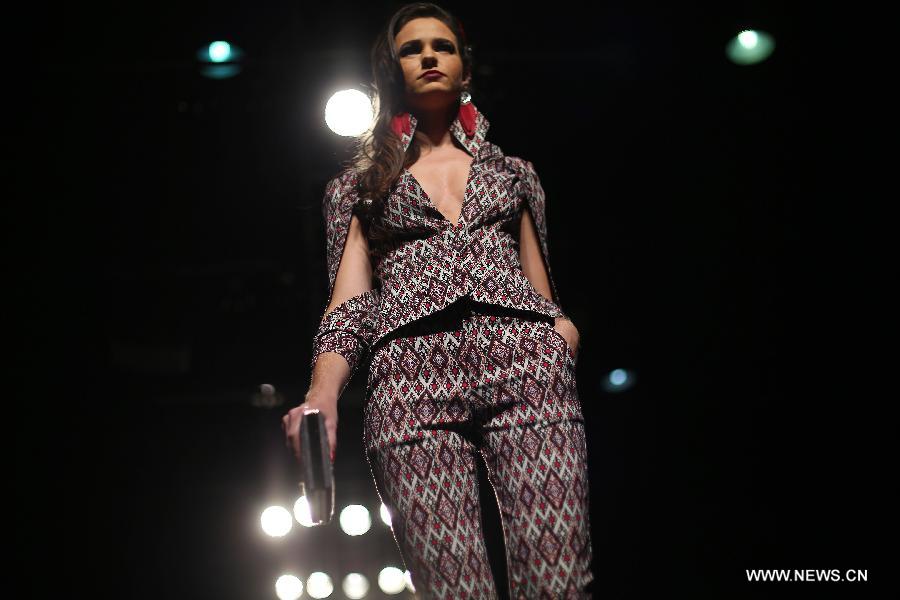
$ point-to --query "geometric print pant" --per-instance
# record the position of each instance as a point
(499, 382)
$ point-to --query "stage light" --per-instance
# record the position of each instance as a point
(288, 587)
(749, 47)
(391, 580)
(301, 512)
(267, 396)
(618, 380)
(355, 519)
(276, 521)
(748, 39)
(319, 585)
(355, 586)
(349, 113)
(219, 60)
(219, 51)
(385, 514)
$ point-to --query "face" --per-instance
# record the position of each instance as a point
(425, 44)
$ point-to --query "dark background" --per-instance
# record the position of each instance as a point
(176, 262)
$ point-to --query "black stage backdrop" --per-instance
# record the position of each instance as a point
(167, 242)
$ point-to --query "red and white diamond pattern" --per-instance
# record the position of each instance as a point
(431, 374)
(433, 263)
(506, 388)
(492, 382)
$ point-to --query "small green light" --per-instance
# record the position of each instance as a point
(219, 51)
(220, 60)
(749, 47)
(747, 39)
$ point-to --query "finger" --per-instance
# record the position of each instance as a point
(287, 433)
(332, 442)
(294, 433)
(301, 414)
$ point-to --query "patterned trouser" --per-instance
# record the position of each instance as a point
(481, 378)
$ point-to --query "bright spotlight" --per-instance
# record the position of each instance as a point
(391, 580)
(301, 512)
(319, 585)
(276, 521)
(618, 380)
(219, 51)
(288, 587)
(385, 514)
(349, 113)
(748, 39)
(749, 47)
(355, 586)
(219, 60)
(355, 519)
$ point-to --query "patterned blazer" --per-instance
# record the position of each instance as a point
(435, 262)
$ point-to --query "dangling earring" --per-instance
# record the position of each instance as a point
(400, 123)
(467, 112)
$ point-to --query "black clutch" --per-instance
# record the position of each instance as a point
(316, 474)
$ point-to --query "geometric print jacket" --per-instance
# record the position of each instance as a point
(435, 262)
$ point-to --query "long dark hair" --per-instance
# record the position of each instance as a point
(379, 158)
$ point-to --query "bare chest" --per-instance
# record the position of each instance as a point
(444, 179)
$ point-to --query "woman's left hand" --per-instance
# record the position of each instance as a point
(567, 329)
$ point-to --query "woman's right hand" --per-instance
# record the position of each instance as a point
(327, 404)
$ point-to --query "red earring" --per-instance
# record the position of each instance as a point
(400, 123)
(467, 113)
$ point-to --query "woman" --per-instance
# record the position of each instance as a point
(439, 273)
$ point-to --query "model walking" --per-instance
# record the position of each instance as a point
(439, 273)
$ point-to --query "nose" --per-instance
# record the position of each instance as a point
(428, 58)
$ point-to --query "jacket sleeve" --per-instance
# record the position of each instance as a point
(537, 204)
(348, 329)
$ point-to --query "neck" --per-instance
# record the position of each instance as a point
(435, 124)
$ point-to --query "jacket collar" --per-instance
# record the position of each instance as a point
(471, 144)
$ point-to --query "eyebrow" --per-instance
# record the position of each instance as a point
(437, 39)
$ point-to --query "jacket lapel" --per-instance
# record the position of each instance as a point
(472, 143)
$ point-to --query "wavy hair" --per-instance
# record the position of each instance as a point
(378, 157)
